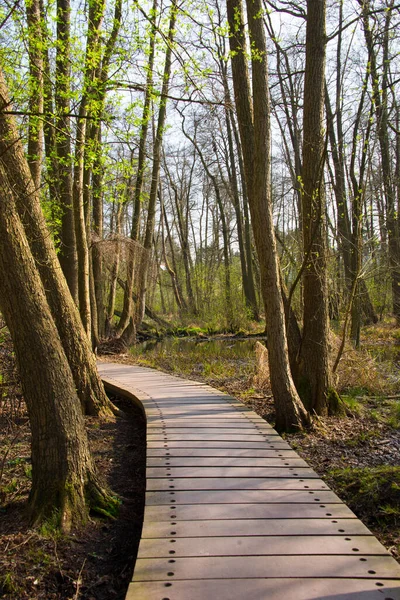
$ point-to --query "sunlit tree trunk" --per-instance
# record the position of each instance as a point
(67, 254)
(315, 374)
(290, 413)
(64, 311)
(63, 473)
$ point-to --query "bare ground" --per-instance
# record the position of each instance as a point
(94, 563)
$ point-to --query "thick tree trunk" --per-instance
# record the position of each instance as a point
(66, 316)
(63, 474)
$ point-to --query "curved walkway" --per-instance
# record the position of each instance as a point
(233, 513)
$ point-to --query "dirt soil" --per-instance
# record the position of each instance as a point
(95, 563)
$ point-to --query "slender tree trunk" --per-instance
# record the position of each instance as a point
(88, 105)
(172, 273)
(35, 134)
(127, 310)
(380, 102)
(98, 282)
(67, 254)
(315, 375)
(148, 238)
(247, 274)
(290, 413)
(224, 227)
(114, 273)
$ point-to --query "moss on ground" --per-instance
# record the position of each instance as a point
(372, 492)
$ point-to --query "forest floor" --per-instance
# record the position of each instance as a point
(95, 562)
(358, 455)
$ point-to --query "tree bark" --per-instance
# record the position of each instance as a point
(66, 316)
(314, 382)
(63, 474)
(67, 254)
(290, 413)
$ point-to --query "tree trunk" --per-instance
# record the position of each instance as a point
(155, 175)
(315, 379)
(63, 474)
(127, 310)
(67, 254)
(290, 413)
(35, 135)
(380, 87)
(66, 316)
(247, 272)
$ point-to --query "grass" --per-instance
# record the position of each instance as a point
(221, 363)
(394, 417)
(7, 584)
(372, 492)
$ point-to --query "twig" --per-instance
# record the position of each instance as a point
(78, 581)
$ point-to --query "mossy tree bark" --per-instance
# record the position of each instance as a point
(63, 473)
(64, 311)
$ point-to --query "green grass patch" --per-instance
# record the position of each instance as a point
(372, 492)
(215, 361)
(394, 417)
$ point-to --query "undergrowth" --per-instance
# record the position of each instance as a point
(372, 492)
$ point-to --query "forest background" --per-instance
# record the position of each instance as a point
(211, 167)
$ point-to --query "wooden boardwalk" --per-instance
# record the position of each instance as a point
(233, 513)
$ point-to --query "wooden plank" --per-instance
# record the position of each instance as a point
(214, 452)
(278, 444)
(188, 512)
(240, 497)
(211, 436)
(235, 483)
(229, 472)
(253, 527)
(261, 589)
(211, 426)
(232, 512)
(255, 567)
(225, 461)
(309, 545)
